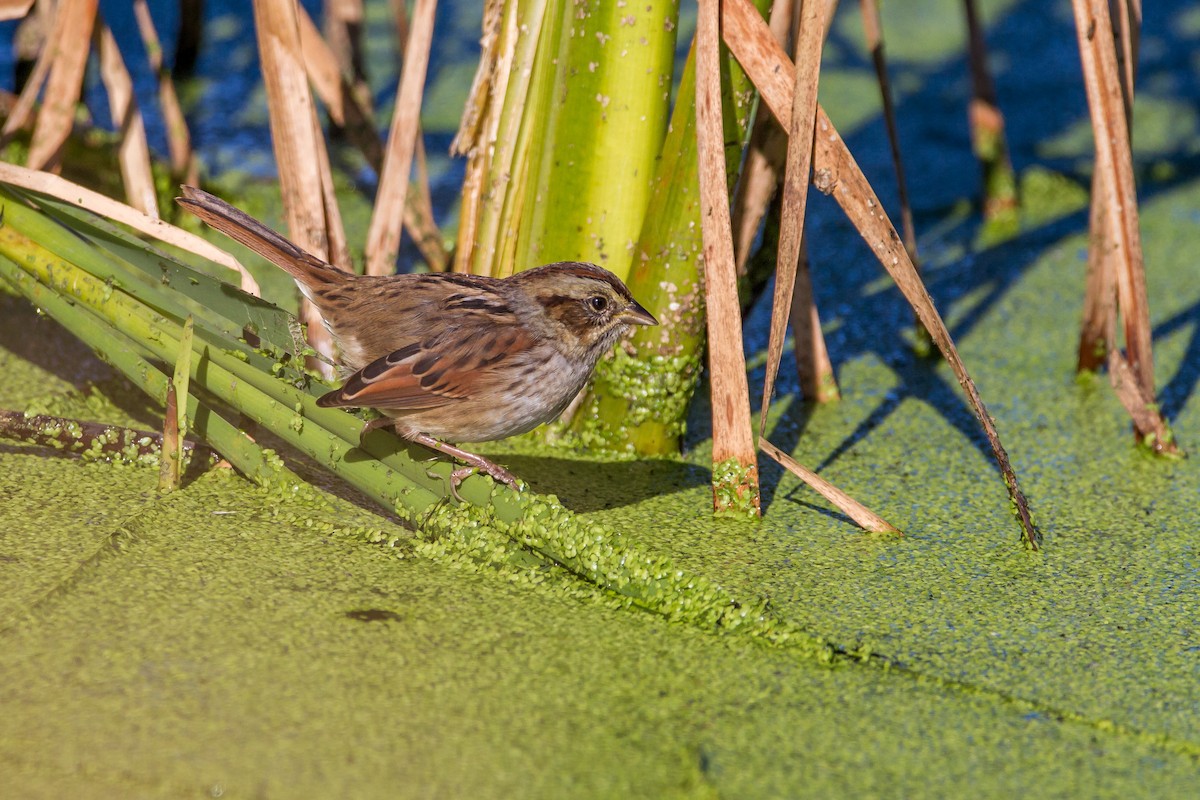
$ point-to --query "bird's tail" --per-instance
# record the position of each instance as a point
(310, 272)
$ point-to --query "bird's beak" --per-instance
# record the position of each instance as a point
(634, 314)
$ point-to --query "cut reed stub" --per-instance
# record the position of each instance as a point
(735, 470)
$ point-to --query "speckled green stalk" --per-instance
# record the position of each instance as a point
(639, 404)
(601, 130)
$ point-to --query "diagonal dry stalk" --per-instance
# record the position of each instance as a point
(184, 164)
(733, 440)
(836, 173)
(305, 178)
(133, 153)
(987, 126)
(1110, 94)
(383, 238)
(66, 53)
(756, 187)
(815, 16)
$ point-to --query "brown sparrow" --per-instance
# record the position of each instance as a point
(449, 357)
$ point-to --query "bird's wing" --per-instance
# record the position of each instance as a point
(434, 373)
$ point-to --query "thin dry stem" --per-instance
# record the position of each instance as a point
(873, 31)
(732, 436)
(383, 238)
(1114, 165)
(21, 113)
(133, 153)
(765, 156)
(987, 125)
(179, 140)
(1147, 421)
(813, 367)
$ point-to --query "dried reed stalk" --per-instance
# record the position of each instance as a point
(67, 52)
(21, 112)
(54, 186)
(733, 440)
(383, 238)
(1109, 106)
(300, 154)
(794, 298)
(836, 173)
(133, 152)
(873, 32)
(184, 165)
(987, 126)
(350, 110)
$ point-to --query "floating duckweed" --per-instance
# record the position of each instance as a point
(549, 539)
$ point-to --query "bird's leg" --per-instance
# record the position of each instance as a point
(472, 460)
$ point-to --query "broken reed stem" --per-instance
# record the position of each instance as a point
(383, 238)
(818, 384)
(733, 441)
(987, 126)
(864, 517)
(93, 439)
(184, 165)
(835, 172)
(175, 420)
(873, 31)
(133, 152)
(68, 52)
(1108, 104)
(810, 39)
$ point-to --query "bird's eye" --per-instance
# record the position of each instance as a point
(598, 303)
